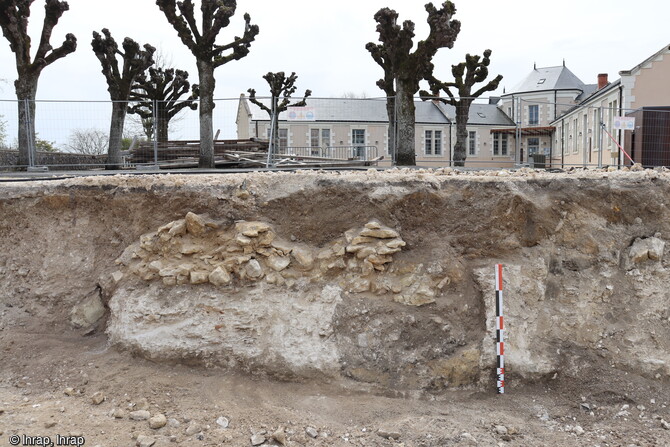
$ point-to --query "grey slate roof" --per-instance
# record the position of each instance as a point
(374, 111)
(586, 97)
(481, 114)
(353, 110)
(555, 78)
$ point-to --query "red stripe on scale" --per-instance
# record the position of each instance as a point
(500, 327)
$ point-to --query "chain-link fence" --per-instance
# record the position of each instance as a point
(503, 132)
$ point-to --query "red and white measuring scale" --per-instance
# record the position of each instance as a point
(500, 329)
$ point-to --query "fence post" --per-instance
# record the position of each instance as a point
(518, 132)
(155, 126)
(273, 120)
(29, 134)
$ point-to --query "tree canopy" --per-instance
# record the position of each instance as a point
(404, 68)
(466, 75)
(216, 15)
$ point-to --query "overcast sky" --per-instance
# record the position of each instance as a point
(324, 41)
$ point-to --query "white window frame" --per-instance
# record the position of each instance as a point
(356, 152)
(433, 139)
(530, 115)
(472, 143)
(322, 146)
(498, 140)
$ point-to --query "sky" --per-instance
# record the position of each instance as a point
(324, 42)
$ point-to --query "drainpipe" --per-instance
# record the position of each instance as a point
(620, 113)
(555, 103)
(563, 143)
(551, 149)
(450, 143)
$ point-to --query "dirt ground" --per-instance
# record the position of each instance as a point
(50, 374)
(70, 387)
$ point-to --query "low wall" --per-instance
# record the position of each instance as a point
(55, 160)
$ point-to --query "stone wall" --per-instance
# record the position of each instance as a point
(56, 160)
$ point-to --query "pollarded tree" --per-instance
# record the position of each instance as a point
(466, 74)
(408, 68)
(14, 16)
(216, 15)
(162, 89)
(387, 84)
(119, 82)
(282, 87)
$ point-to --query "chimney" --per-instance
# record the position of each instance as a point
(602, 80)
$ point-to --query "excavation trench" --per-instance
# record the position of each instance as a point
(380, 279)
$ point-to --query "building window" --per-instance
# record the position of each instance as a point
(500, 144)
(472, 143)
(319, 140)
(534, 115)
(533, 146)
(358, 142)
(283, 137)
(575, 147)
(433, 142)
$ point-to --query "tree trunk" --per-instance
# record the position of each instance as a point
(119, 109)
(275, 124)
(405, 151)
(460, 150)
(26, 90)
(207, 82)
(390, 110)
(162, 122)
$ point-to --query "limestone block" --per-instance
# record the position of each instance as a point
(275, 278)
(253, 269)
(303, 257)
(362, 240)
(243, 240)
(337, 264)
(219, 277)
(170, 281)
(644, 249)
(413, 299)
(373, 225)
(199, 277)
(265, 239)
(168, 271)
(195, 224)
(349, 235)
(88, 311)
(365, 253)
(360, 285)
(381, 233)
(178, 229)
(155, 266)
(282, 246)
(190, 249)
(324, 254)
(379, 260)
(251, 229)
(278, 263)
(147, 242)
(395, 243)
